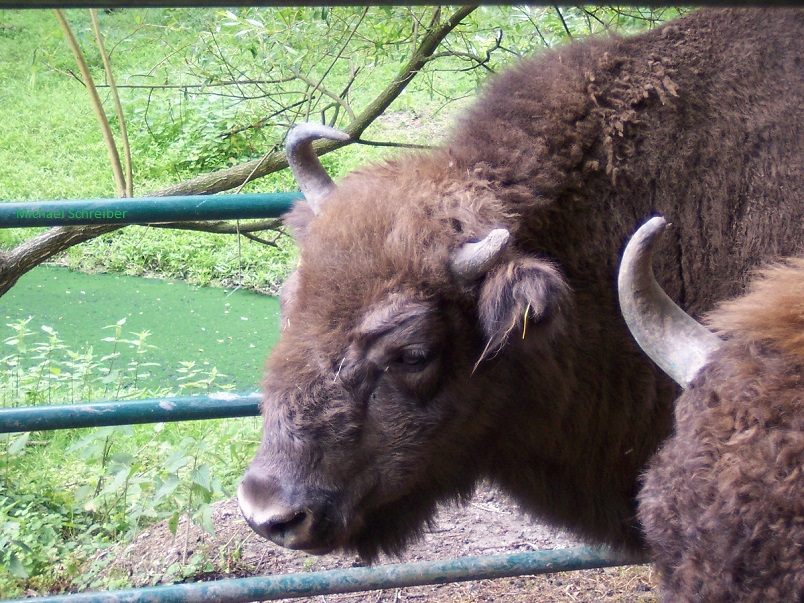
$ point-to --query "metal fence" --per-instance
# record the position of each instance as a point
(145, 210)
(272, 588)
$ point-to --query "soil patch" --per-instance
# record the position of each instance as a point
(490, 524)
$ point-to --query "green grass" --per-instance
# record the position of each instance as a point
(45, 117)
(66, 494)
(203, 259)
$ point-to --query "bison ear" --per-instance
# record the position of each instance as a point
(521, 294)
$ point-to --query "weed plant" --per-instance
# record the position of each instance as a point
(66, 494)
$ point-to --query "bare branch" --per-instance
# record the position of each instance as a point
(218, 84)
(318, 87)
(430, 41)
(480, 61)
(118, 107)
(563, 22)
(256, 239)
(263, 121)
(592, 14)
(338, 55)
(535, 27)
(223, 226)
(95, 101)
(398, 145)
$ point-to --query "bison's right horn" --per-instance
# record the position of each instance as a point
(673, 340)
(313, 180)
(473, 260)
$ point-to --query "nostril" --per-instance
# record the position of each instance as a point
(291, 529)
(280, 528)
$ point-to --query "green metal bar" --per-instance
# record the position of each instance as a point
(286, 586)
(145, 210)
(97, 414)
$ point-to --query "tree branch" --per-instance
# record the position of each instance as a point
(481, 61)
(430, 41)
(118, 107)
(397, 145)
(95, 100)
(223, 226)
(318, 87)
(563, 22)
(40, 248)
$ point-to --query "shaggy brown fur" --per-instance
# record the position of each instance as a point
(723, 501)
(376, 406)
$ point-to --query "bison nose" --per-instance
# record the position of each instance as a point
(279, 521)
(286, 527)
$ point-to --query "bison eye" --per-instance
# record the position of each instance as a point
(413, 359)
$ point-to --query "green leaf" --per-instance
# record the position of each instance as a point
(17, 445)
(122, 459)
(205, 520)
(17, 568)
(176, 461)
(201, 477)
(118, 481)
(173, 523)
(111, 377)
(83, 492)
(167, 488)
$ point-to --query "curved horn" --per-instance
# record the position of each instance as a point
(668, 335)
(313, 180)
(473, 260)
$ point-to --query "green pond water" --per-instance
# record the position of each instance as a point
(230, 330)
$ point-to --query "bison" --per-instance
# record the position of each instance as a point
(722, 506)
(453, 316)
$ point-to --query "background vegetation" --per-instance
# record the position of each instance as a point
(201, 90)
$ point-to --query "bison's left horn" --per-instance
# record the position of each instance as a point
(673, 340)
(473, 260)
(313, 180)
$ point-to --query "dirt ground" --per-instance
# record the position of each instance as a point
(490, 524)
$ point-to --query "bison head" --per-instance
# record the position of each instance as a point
(397, 361)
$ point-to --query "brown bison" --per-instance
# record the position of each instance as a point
(723, 502)
(454, 315)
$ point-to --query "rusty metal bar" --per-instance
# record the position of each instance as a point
(286, 586)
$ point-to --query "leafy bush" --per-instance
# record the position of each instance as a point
(201, 259)
(66, 494)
